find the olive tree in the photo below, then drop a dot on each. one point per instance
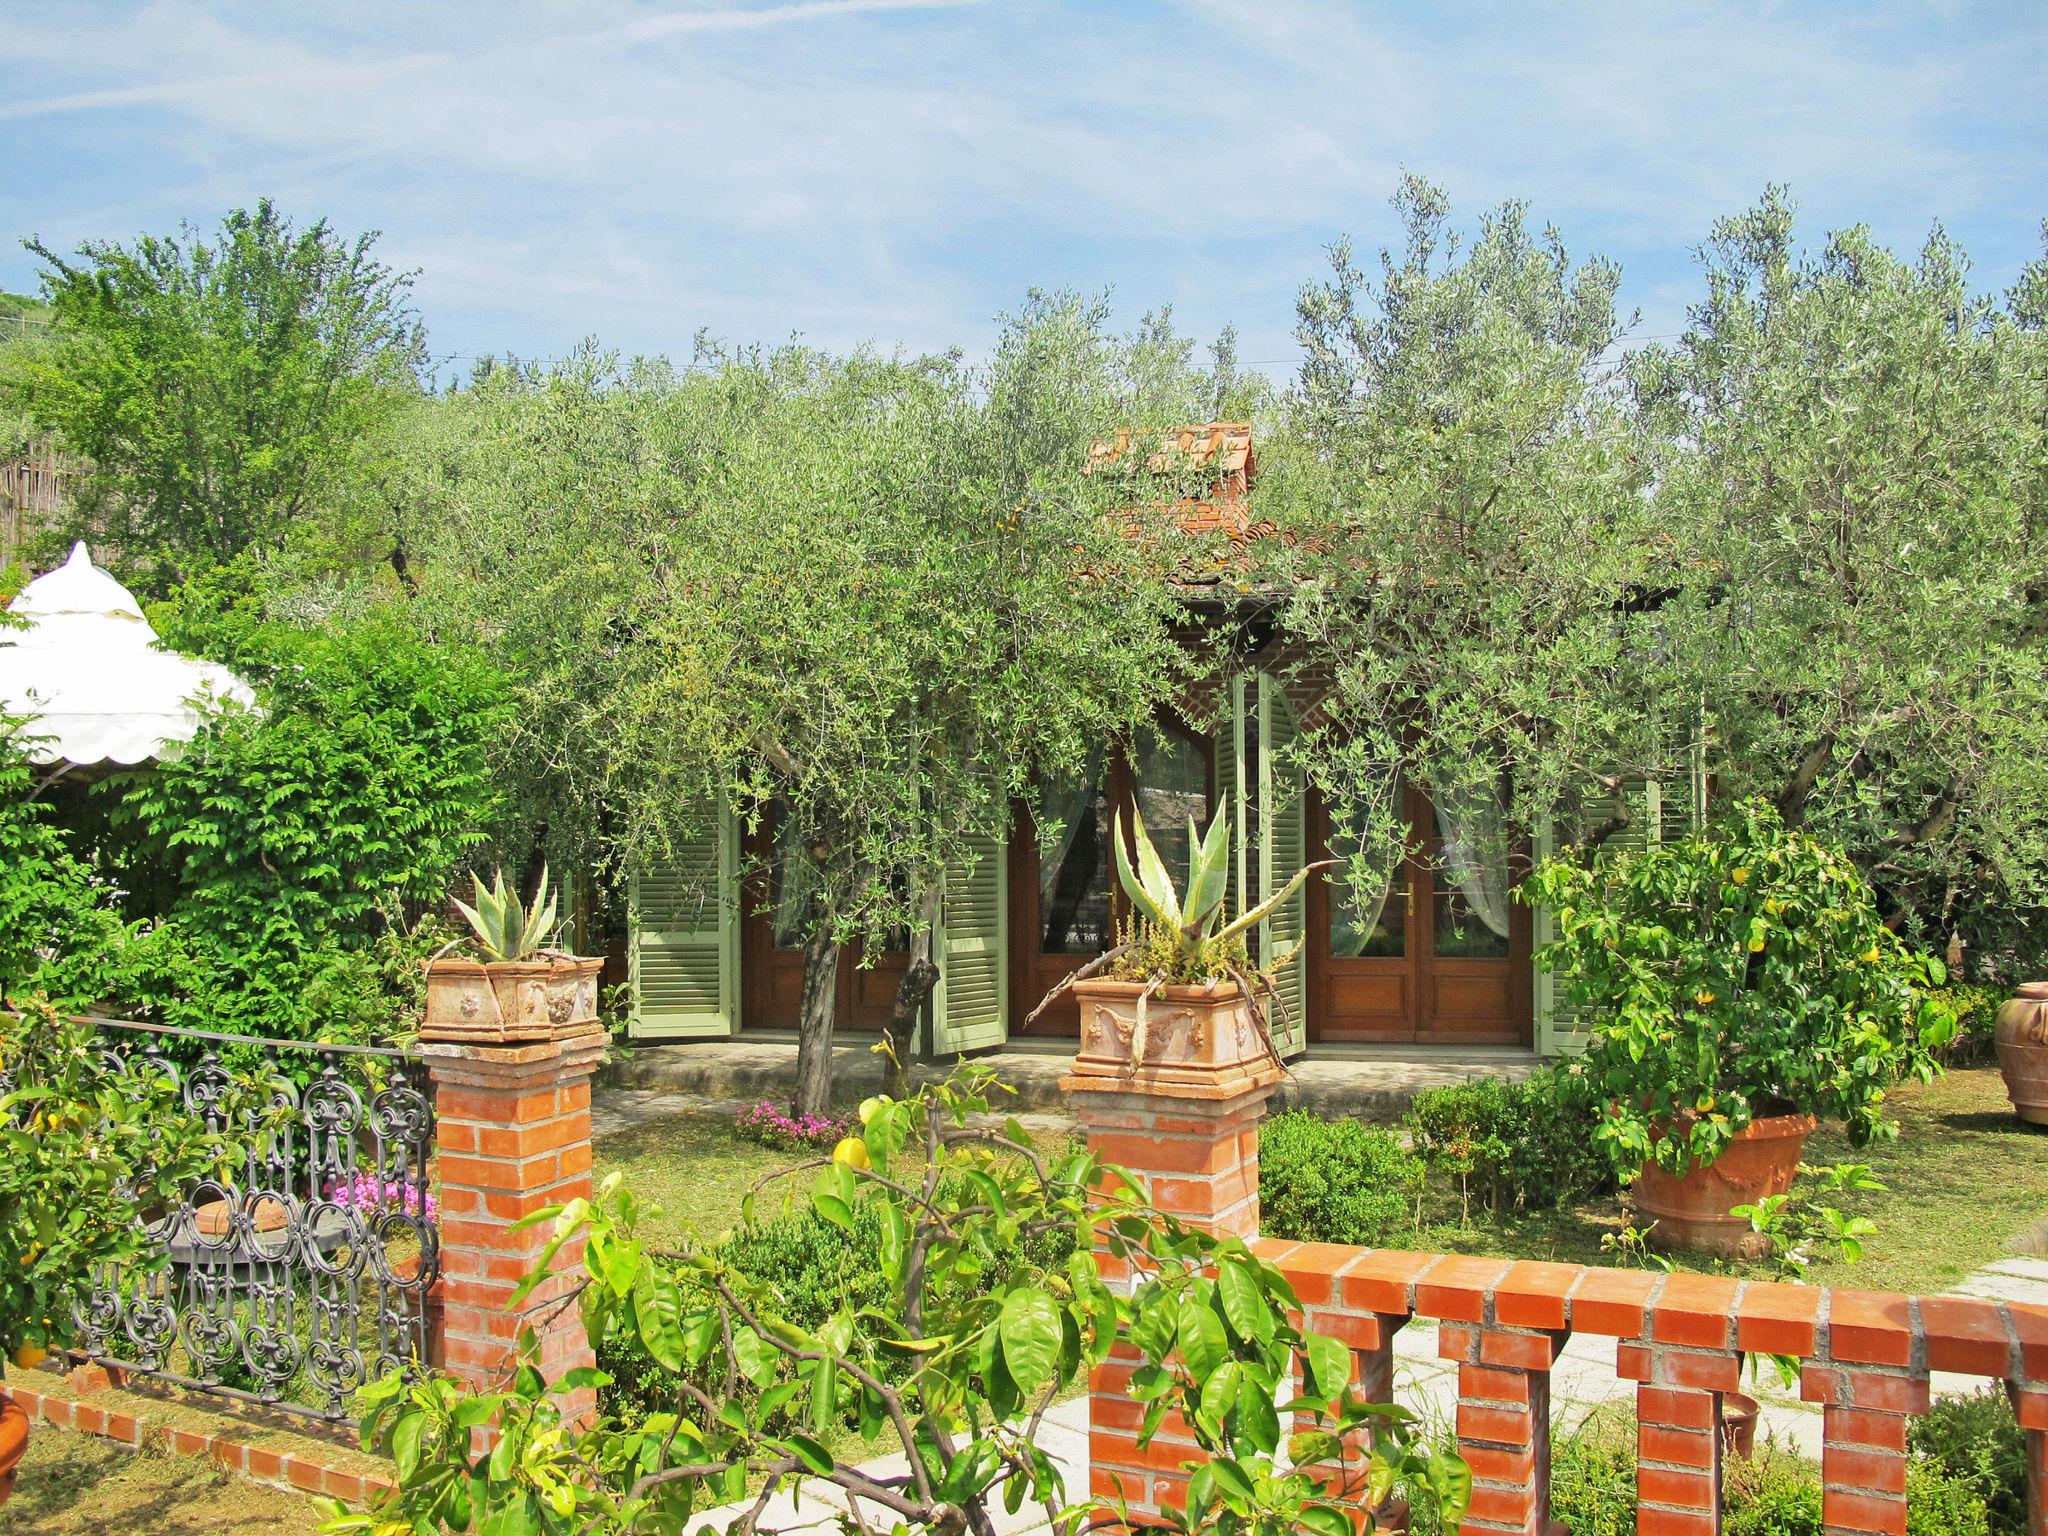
(1473, 566)
(878, 594)
(1851, 457)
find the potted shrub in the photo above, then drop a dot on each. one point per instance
(521, 990)
(83, 1149)
(1178, 999)
(2022, 1040)
(1741, 987)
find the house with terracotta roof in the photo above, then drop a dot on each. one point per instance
(1438, 956)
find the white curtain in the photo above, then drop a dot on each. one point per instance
(1475, 851)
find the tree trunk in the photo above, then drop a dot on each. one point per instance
(918, 980)
(1792, 798)
(814, 1023)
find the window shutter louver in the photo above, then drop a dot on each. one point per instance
(685, 940)
(971, 1002)
(1282, 850)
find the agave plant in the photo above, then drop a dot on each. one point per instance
(1191, 918)
(504, 929)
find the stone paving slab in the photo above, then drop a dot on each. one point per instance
(1365, 1083)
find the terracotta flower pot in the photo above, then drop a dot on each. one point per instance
(13, 1443)
(1690, 1209)
(1739, 1413)
(1190, 1036)
(504, 1002)
(2022, 1040)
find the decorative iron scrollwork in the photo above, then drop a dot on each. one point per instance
(305, 1274)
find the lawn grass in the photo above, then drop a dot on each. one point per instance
(698, 1173)
(71, 1484)
(1964, 1180)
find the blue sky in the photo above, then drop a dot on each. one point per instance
(899, 171)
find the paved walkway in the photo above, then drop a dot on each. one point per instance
(1371, 1083)
(1582, 1381)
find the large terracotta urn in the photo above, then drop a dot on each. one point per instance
(13, 1442)
(1691, 1209)
(1191, 1037)
(2022, 1040)
(503, 1002)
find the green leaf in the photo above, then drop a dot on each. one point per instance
(1029, 1325)
(1201, 1337)
(1244, 1304)
(808, 1451)
(1329, 1364)
(658, 1308)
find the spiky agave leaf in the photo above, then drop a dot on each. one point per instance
(541, 922)
(1208, 869)
(1267, 907)
(1149, 886)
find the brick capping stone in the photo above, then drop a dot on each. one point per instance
(1682, 1338)
(514, 1138)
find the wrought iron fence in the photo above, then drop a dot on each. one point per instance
(307, 1273)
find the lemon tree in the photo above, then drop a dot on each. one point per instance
(997, 1308)
(1738, 972)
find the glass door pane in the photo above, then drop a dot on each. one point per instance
(1172, 774)
(1369, 895)
(1472, 907)
(1073, 864)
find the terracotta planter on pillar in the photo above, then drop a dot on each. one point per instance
(1199, 1037)
(13, 1442)
(2022, 1039)
(504, 1002)
(1691, 1209)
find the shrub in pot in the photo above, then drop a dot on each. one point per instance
(521, 990)
(1178, 998)
(1741, 987)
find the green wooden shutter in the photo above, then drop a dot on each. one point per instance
(1282, 850)
(685, 941)
(971, 1003)
(1230, 784)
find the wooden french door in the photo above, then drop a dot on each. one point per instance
(1064, 898)
(772, 954)
(1441, 957)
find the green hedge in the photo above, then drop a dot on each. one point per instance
(1512, 1145)
(1335, 1181)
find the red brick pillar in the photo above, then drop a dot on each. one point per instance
(1189, 1134)
(514, 1138)
(1863, 1444)
(1678, 1433)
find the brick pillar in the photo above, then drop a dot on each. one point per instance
(514, 1138)
(1190, 1136)
(1504, 1422)
(1678, 1433)
(1863, 1444)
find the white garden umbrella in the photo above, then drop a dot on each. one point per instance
(91, 677)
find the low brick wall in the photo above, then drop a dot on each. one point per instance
(1681, 1337)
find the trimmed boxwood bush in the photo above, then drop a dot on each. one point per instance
(1334, 1181)
(1513, 1145)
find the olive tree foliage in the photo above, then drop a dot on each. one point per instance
(1472, 565)
(216, 387)
(869, 596)
(1852, 455)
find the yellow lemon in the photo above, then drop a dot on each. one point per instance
(1739, 874)
(851, 1151)
(1756, 946)
(27, 1357)
(1703, 997)
(1869, 956)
